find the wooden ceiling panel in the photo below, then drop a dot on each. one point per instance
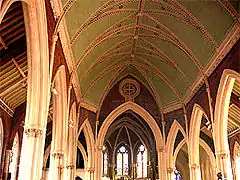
(13, 64)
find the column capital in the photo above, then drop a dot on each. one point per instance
(33, 132)
(57, 155)
(223, 155)
(170, 170)
(70, 166)
(98, 148)
(91, 169)
(194, 166)
(160, 149)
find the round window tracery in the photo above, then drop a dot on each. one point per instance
(129, 88)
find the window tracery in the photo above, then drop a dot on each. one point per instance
(142, 162)
(105, 161)
(122, 161)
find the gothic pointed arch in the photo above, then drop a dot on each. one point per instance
(149, 120)
(171, 140)
(88, 133)
(221, 121)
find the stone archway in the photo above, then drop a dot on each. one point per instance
(88, 133)
(221, 122)
(170, 147)
(149, 120)
(193, 142)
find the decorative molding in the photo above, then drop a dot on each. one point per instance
(33, 132)
(67, 50)
(194, 166)
(170, 170)
(172, 107)
(129, 89)
(70, 166)
(161, 149)
(88, 105)
(91, 169)
(58, 155)
(224, 48)
(223, 155)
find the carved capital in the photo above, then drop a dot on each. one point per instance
(91, 170)
(70, 166)
(194, 166)
(170, 170)
(223, 155)
(98, 148)
(160, 149)
(33, 132)
(58, 155)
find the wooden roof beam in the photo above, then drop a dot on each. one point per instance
(3, 43)
(4, 91)
(18, 67)
(235, 100)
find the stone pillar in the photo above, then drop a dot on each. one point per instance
(32, 154)
(170, 173)
(162, 171)
(70, 172)
(195, 172)
(6, 163)
(98, 163)
(38, 90)
(91, 173)
(225, 165)
(56, 166)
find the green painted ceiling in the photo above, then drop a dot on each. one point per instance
(163, 43)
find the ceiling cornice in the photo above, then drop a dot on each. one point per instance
(67, 50)
(88, 105)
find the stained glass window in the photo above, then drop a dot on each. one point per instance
(105, 161)
(122, 161)
(177, 174)
(142, 162)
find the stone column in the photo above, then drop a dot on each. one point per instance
(6, 163)
(91, 173)
(56, 166)
(98, 163)
(225, 165)
(38, 90)
(195, 172)
(170, 173)
(70, 171)
(32, 154)
(162, 163)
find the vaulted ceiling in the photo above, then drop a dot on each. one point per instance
(166, 44)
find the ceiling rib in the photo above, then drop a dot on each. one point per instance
(133, 11)
(91, 46)
(197, 24)
(225, 4)
(110, 85)
(165, 56)
(161, 75)
(104, 60)
(101, 75)
(138, 21)
(156, 95)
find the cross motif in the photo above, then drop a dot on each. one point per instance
(129, 89)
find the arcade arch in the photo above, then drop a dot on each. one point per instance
(149, 120)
